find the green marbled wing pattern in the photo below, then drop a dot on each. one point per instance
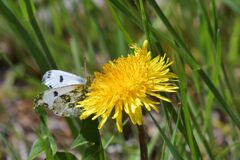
(62, 100)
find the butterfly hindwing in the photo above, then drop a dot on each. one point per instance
(57, 78)
(62, 100)
(70, 101)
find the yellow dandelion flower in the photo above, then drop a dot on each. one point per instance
(128, 84)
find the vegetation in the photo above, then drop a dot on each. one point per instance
(201, 37)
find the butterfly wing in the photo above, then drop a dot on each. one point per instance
(57, 78)
(62, 100)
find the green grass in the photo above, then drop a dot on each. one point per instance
(200, 37)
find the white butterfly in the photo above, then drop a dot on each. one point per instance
(58, 78)
(65, 90)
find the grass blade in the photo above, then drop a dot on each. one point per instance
(186, 55)
(119, 23)
(175, 153)
(33, 48)
(186, 116)
(210, 29)
(145, 22)
(193, 64)
(126, 11)
(39, 35)
(221, 100)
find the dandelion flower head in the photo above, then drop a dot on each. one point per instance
(128, 84)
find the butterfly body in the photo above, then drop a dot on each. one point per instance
(65, 90)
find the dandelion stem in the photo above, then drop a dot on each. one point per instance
(142, 142)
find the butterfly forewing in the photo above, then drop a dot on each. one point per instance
(58, 78)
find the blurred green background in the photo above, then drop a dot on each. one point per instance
(202, 37)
